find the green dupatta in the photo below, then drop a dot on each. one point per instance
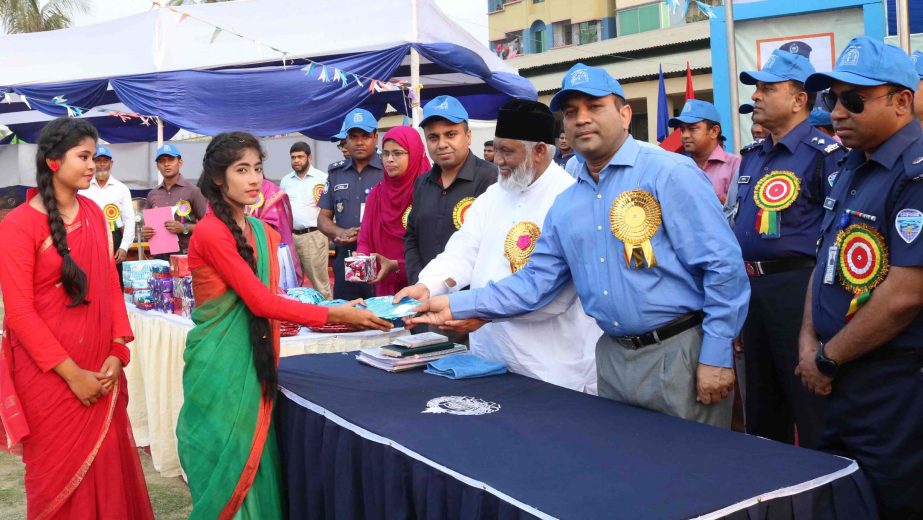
(222, 397)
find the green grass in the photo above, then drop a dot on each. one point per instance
(169, 496)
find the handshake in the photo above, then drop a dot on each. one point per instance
(435, 311)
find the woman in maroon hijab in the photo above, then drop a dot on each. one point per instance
(387, 207)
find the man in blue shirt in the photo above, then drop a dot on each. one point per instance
(780, 192)
(642, 236)
(862, 336)
(343, 201)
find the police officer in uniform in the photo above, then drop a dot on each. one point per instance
(781, 189)
(862, 337)
(343, 201)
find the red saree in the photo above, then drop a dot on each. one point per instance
(81, 462)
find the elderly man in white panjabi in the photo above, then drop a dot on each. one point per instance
(556, 343)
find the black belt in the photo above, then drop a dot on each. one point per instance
(305, 230)
(757, 269)
(677, 326)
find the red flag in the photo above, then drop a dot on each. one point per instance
(690, 92)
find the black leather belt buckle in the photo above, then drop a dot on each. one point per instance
(754, 269)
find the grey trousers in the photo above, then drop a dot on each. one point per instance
(659, 377)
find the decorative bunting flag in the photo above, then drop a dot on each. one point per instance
(215, 34)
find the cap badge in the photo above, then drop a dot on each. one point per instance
(443, 106)
(687, 108)
(851, 56)
(793, 48)
(357, 118)
(579, 76)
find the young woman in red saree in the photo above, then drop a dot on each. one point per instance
(64, 343)
(226, 442)
(388, 205)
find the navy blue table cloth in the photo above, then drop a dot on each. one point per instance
(356, 443)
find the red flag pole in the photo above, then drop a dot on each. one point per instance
(690, 92)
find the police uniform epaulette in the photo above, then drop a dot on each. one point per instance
(752, 146)
(827, 145)
(913, 161)
(335, 165)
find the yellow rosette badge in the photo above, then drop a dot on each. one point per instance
(862, 264)
(773, 193)
(461, 209)
(112, 214)
(406, 216)
(318, 192)
(634, 218)
(253, 208)
(519, 244)
(183, 210)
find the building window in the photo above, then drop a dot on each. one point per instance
(494, 5)
(539, 37)
(639, 19)
(588, 31)
(561, 34)
(538, 1)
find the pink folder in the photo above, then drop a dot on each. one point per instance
(163, 241)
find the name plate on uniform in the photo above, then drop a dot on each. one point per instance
(829, 203)
(744, 180)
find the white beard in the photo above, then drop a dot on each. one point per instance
(520, 178)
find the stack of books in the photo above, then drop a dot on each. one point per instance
(409, 352)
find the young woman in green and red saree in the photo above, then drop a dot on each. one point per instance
(227, 444)
(62, 392)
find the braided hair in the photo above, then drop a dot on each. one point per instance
(59, 136)
(224, 150)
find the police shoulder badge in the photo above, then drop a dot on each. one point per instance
(634, 218)
(406, 216)
(909, 223)
(519, 244)
(862, 264)
(461, 209)
(775, 192)
(112, 214)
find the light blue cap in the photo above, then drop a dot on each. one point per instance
(694, 111)
(917, 58)
(446, 107)
(593, 81)
(820, 117)
(867, 62)
(167, 149)
(781, 66)
(357, 118)
(103, 151)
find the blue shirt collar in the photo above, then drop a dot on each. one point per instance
(791, 139)
(626, 155)
(890, 150)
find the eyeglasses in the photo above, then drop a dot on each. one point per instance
(397, 154)
(851, 100)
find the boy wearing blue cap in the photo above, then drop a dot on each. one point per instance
(862, 336)
(176, 192)
(699, 124)
(115, 200)
(643, 239)
(442, 196)
(781, 188)
(343, 201)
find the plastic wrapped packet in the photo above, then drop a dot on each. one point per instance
(361, 268)
(179, 266)
(139, 272)
(306, 295)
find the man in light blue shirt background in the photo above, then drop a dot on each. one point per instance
(670, 297)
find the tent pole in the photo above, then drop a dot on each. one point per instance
(732, 69)
(903, 24)
(415, 65)
(159, 132)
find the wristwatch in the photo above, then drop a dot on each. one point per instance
(185, 229)
(825, 365)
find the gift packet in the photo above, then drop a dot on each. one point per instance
(179, 266)
(306, 295)
(138, 272)
(361, 268)
(384, 308)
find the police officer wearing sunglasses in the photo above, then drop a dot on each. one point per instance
(862, 336)
(781, 187)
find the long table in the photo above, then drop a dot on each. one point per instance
(357, 442)
(155, 375)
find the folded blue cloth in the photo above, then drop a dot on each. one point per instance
(464, 366)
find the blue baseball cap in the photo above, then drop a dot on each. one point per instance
(694, 111)
(820, 117)
(357, 118)
(746, 108)
(445, 107)
(868, 63)
(917, 59)
(103, 151)
(167, 149)
(781, 66)
(593, 81)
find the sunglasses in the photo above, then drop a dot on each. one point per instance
(851, 100)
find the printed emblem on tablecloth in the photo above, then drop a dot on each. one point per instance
(774, 193)
(112, 214)
(909, 223)
(519, 244)
(406, 216)
(461, 209)
(318, 192)
(460, 405)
